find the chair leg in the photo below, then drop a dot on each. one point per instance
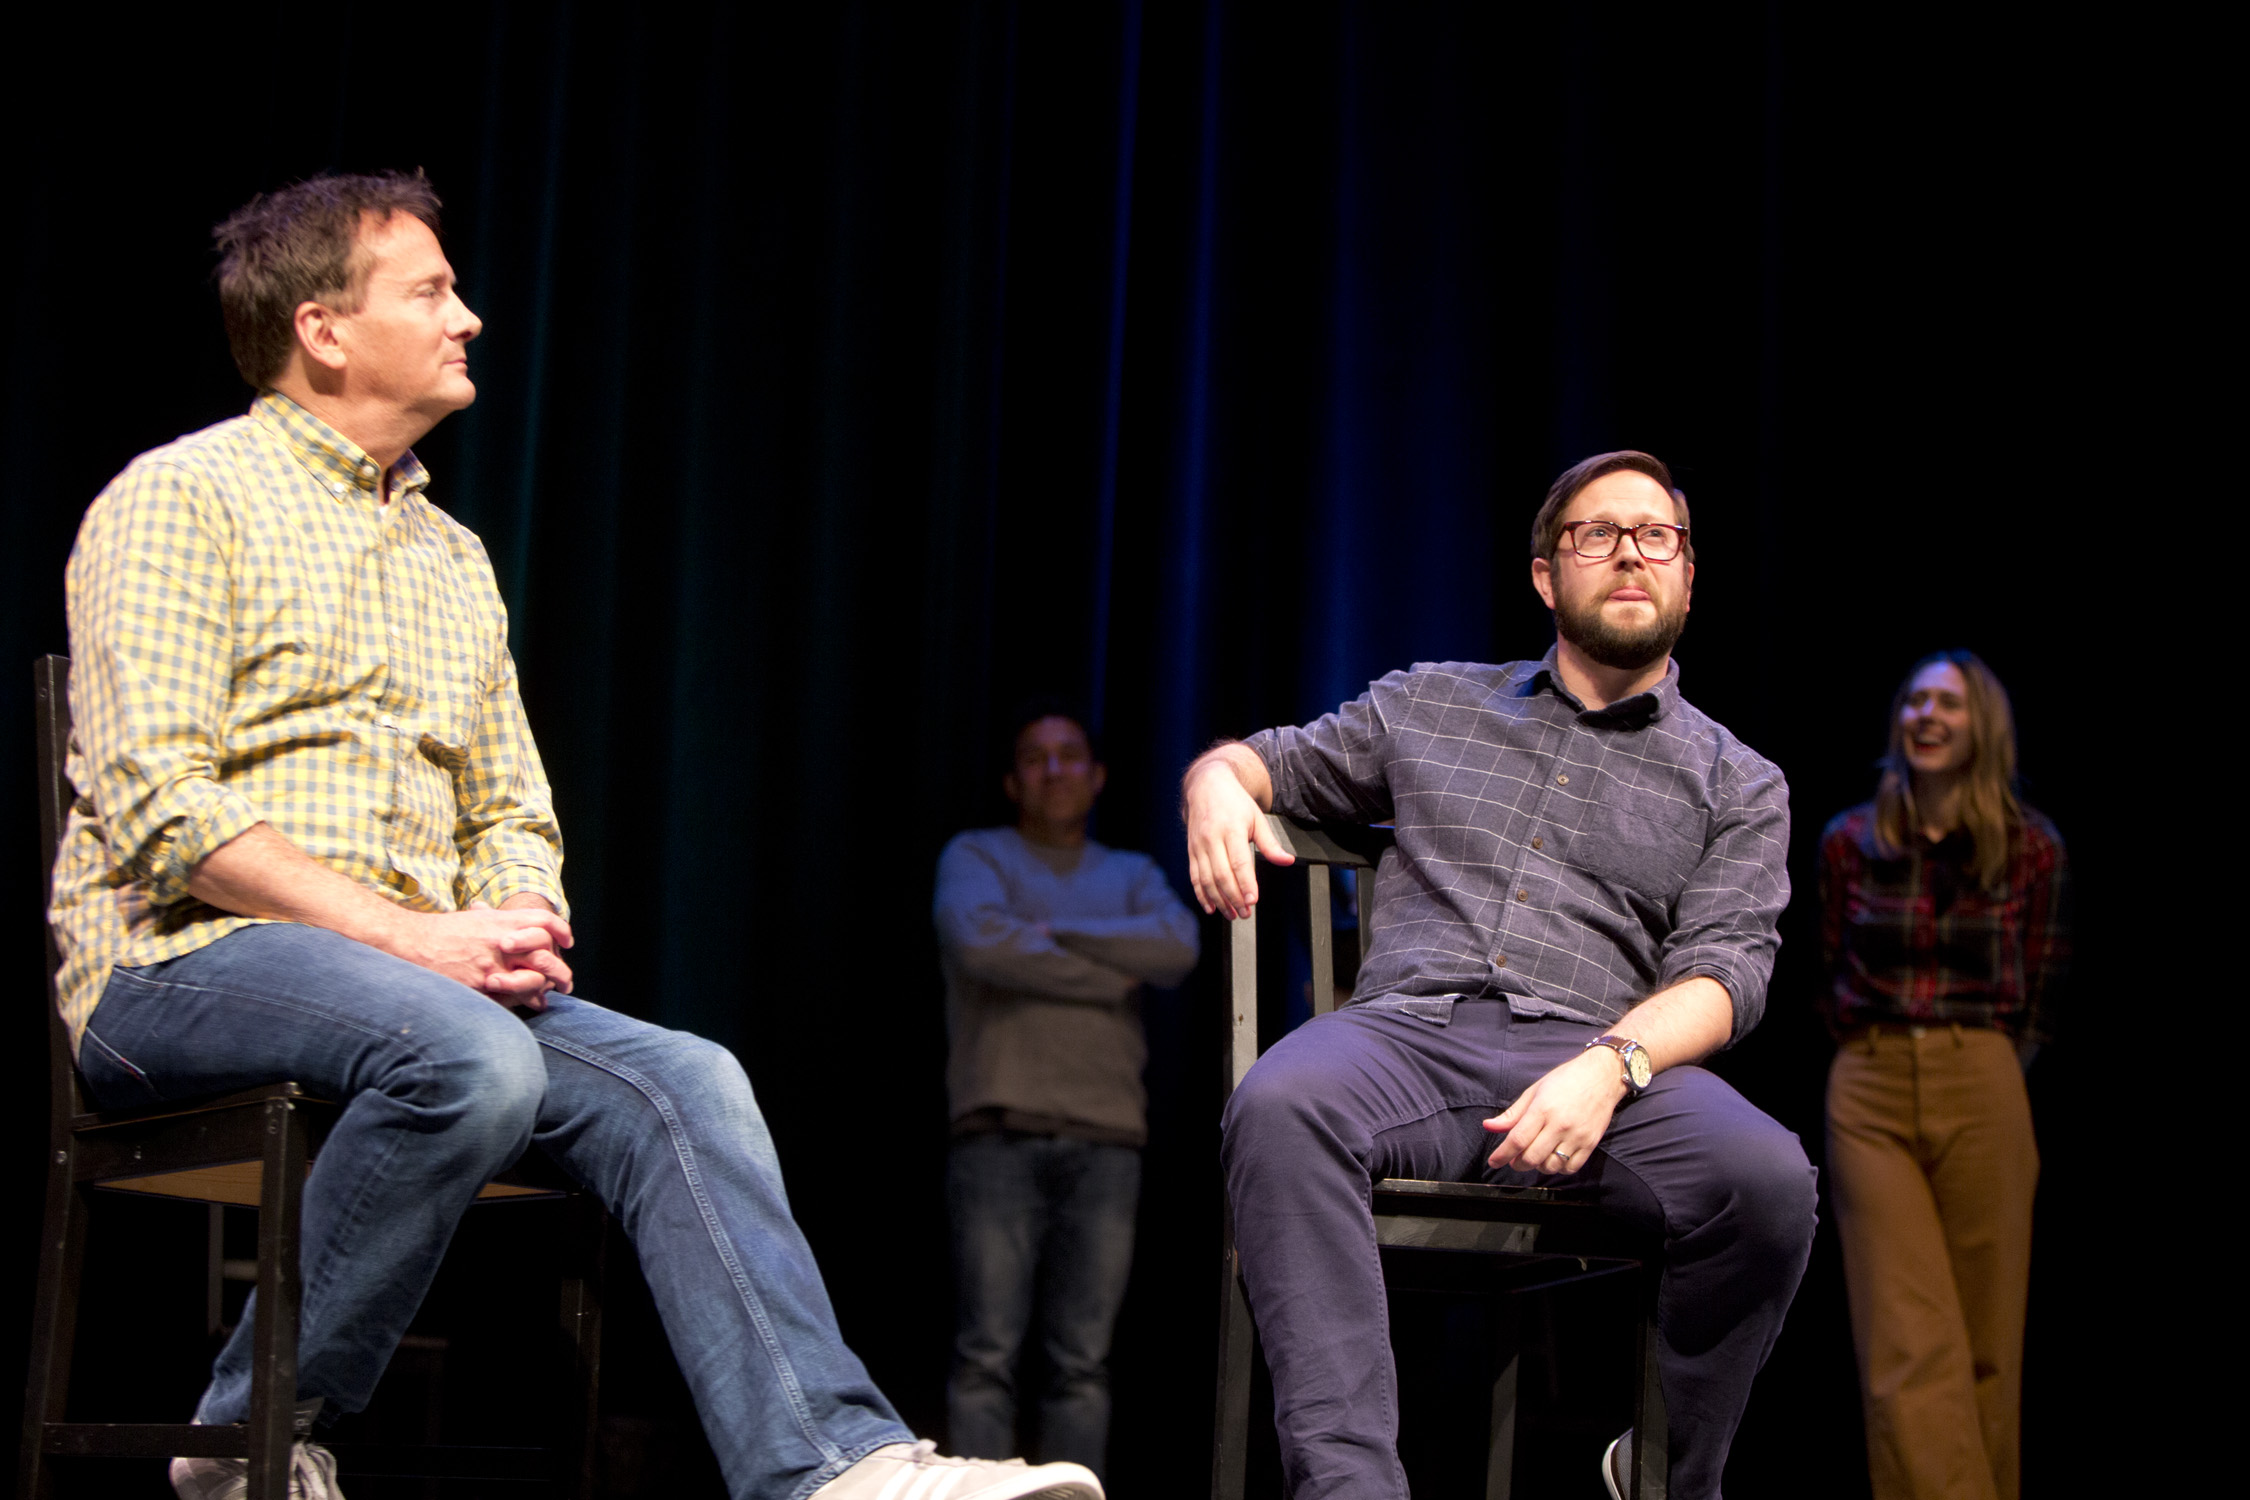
(273, 1371)
(54, 1322)
(1230, 1434)
(214, 1268)
(1507, 1367)
(1652, 1456)
(581, 1312)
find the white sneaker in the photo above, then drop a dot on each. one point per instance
(1617, 1465)
(312, 1468)
(312, 1476)
(917, 1471)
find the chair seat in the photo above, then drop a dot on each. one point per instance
(116, 1146)
(1542, 1237)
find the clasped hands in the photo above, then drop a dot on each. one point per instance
(512, 953)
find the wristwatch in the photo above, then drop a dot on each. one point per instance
(1634, 1056)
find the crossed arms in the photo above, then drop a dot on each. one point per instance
(1081, 959)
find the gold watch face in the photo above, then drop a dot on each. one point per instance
(1636, 1065)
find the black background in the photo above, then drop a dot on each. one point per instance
(851, 371)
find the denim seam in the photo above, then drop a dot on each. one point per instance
(279, 1002)
(720, 1241)
(87, 1035)
(351, 1216)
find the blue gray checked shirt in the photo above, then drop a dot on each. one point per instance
(1572, 861)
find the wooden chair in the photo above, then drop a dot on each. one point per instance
(1532, 1238)
(250, 1148)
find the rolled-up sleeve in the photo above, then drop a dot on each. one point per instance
(1724, 922)
(509, 841)
(1333, 769)
(151, 668)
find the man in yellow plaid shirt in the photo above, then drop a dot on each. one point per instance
(313, 841)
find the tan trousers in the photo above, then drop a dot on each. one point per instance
(1931, 1167)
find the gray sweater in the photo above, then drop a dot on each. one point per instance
(1045, 953)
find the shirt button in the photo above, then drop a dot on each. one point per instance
(1561, 780)
(1538, 843)
(1499, 960)
(389, 722)
(1523, 895)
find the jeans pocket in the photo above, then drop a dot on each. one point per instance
(110, 1075)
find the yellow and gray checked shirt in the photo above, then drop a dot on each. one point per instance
(256, 638)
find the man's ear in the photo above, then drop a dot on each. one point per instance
(1099, 778)
(1543, 579)
(1013, 786)
(317, 334)
(1687, 595)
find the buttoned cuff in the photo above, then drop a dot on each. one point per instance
(494, 886)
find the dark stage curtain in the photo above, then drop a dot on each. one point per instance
(851, 371)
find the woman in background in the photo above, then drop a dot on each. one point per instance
(1944, 929)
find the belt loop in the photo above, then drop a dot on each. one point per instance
(1960, 1037)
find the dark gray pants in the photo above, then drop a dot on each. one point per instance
(1362, 1094)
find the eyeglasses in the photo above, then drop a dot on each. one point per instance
(1656, 541)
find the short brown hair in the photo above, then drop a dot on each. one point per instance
(1546, 527)
(301, 245)
(1989, 809)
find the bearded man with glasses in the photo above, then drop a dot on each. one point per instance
(1580, 907)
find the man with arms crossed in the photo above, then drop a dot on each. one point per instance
(1581, 905)
(314, 841)
(1048, 938)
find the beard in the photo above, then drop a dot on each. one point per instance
(1627, 649)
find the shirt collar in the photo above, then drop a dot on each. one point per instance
(340, 464)
(1636, 712)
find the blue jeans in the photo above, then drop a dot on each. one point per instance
(442, 1089)
(1364, 1093)
(1040, 1219)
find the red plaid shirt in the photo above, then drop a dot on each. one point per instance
(1916, 939)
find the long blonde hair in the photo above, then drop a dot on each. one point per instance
(1989, 810)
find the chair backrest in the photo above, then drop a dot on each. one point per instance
(50, 688)
(1318, 847)
(50, 698)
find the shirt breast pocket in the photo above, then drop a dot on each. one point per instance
(454, 688)
(1640, 856)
